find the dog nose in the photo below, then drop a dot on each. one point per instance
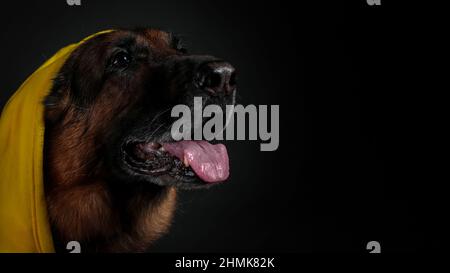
(216, 78)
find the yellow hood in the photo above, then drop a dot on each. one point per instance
(24, 225)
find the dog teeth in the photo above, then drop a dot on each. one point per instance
(162, 149)
(185, 162)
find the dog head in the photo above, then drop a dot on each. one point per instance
(109, 112)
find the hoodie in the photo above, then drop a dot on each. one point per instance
(24, 224)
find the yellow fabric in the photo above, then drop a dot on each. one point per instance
(24, 225)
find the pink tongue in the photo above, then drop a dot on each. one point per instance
(209, 162)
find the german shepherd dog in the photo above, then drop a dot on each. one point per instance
(112, 168)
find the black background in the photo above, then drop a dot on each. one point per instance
(349, 160)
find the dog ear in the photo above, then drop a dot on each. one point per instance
(78, 81)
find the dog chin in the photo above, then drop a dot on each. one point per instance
(165, 180)
(180, 183)
(130, 174)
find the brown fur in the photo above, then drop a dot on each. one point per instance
(81, 204)
(99, 105)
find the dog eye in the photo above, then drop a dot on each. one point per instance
(182, 49)
(121, 60)
(179, 45)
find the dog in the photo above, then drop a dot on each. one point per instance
(111, 165)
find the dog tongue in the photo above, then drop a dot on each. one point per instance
(209, 162)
